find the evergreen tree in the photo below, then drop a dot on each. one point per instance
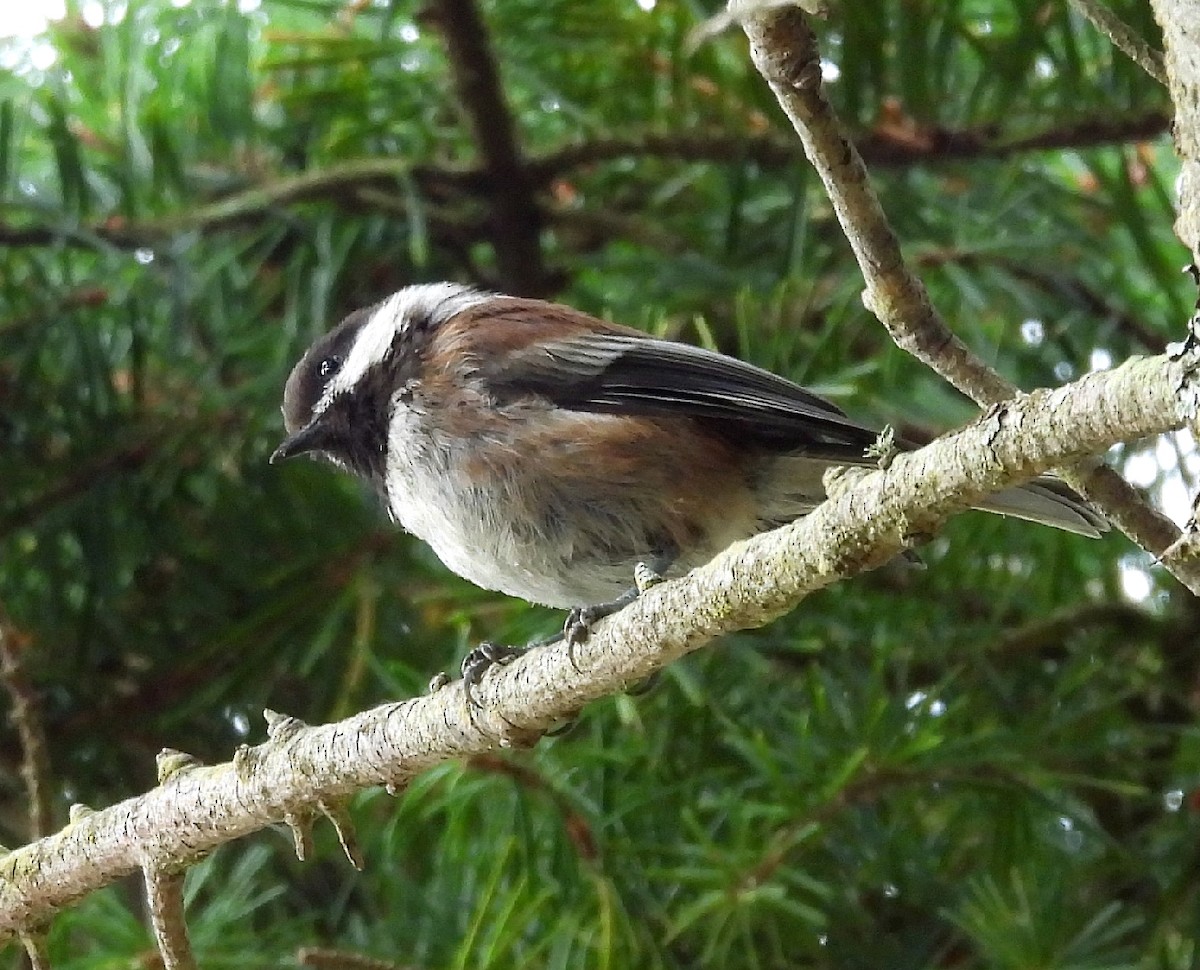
(990, 761)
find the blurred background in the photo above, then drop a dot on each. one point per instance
(989, 762)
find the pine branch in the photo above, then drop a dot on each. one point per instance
(870, 518)
(925, 145)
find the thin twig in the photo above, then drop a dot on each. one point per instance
(326, 959)
(784, 49)
(1123, 37)
(865, 788)
(36, 950)
(578, 828)
(86, 475)
(591, 229)
(1053, 630)
(26, 715)
(1056, 282)
(723, 20)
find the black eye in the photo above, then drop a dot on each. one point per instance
(328, 367)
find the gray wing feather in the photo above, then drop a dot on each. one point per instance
(641, 375)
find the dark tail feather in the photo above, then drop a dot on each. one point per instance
(1048, 501)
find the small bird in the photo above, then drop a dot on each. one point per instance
(547, 454)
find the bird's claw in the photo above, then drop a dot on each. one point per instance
(577, 627)
(580, 619)
(476, 663)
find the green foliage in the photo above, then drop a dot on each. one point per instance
(986, 762)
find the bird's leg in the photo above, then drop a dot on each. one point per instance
(476, 663)
(579, 620)
(485, 656)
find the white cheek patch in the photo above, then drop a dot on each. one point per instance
(434, 302)
(370, 347)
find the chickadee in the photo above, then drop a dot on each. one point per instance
(546, 454)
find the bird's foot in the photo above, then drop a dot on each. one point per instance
(578, 625)
(580, 620)
(575, 631)
(476, 663)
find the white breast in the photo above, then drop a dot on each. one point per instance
(487, 535)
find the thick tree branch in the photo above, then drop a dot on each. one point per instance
(871, 516)
(516, 223)
(784, 49)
